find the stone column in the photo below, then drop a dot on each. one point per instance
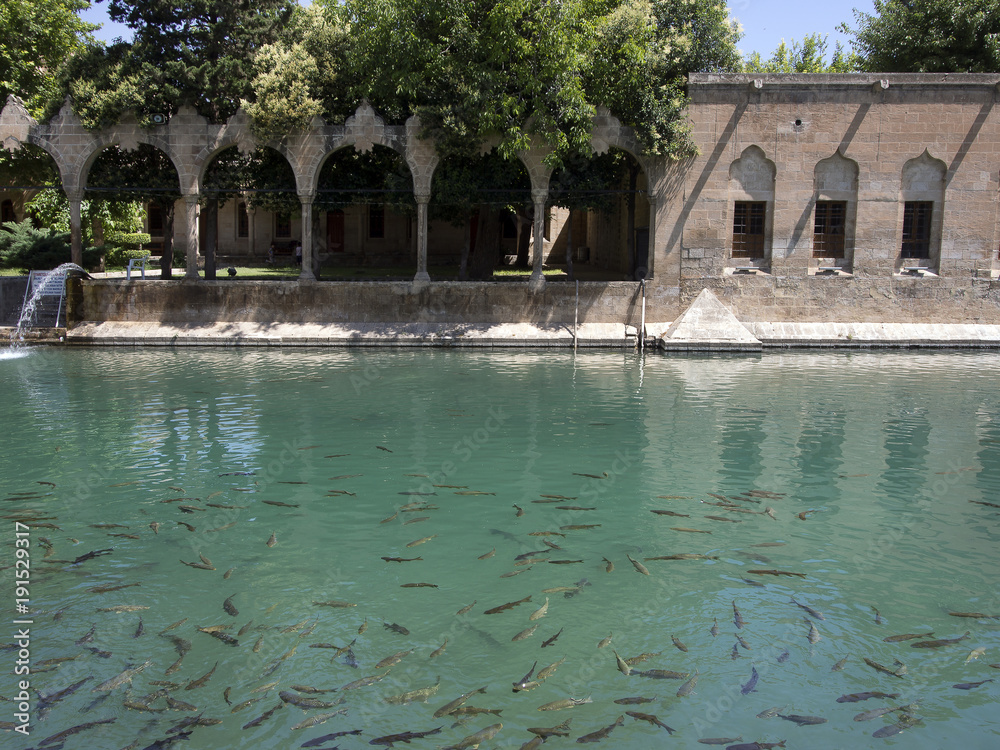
(189, 234)
(75, 226)
(252, 231)
(306, 274)
(422, 275)
(537, 280)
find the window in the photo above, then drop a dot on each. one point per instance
(154, 218)
(242, 221)
(917, 229)
(376, 222)
(748, 229)
(509, 226)
(7, 211)
(283, 225)
(828, 229)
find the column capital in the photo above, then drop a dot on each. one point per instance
(422, 198)
(75, 194)
(307, 197)
(539, 195)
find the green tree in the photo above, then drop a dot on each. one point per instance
(807, 56)
(36, 37)
(928, 36)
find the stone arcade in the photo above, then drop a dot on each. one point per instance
(859, 201)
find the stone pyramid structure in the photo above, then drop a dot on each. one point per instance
(708, 325)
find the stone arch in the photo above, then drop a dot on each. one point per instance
(113, 137)
(835, 209)
(921, 212)
(751, 208)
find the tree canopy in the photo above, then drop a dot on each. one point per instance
(36, 38)
(807, 56)
(928, 36)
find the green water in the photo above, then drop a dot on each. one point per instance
(885, 453)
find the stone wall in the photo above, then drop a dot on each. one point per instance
(204, 302)
(871, 141)
(11, 298)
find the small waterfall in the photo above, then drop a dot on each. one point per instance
(28, 311)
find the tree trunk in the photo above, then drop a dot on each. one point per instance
(167, 258)
(569, 245)
(211, 236)
(483, 259)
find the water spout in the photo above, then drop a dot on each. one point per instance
(40, 289)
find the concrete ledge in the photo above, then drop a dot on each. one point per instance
(107, 333)
(876, 334)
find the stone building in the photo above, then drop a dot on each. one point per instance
(861, 197)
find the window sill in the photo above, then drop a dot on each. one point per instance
(746, 271)
(916, 272)
(831, 272)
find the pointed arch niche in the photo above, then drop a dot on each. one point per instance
(751, 210)
(835, 213)
(921, 208)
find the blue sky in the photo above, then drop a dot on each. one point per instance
(765, 22)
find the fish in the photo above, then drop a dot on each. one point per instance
(389, 739)
(88, 637)
(120, 679)
(246, 704)
(559, 705)
(937, 643)
(591, 476)
(421, 541)
(155, 526)
(519, 511)
(719, 740)
(659, 512)
(604, 642)
(737, 617)
(526, 633)
(327, 737)
(683, 556)
(690, 531)
(140, 629)
(524, 680)
(714, 630)
(970, 685)
(776, 573)
(228, 606)
(809, 610)
(751, 684)
(814, 635)
(264, 716)
(297, 700)
(395, 628)
(901, 726)
(637, 565)
(418, 586)
(639, 716)
(744, 644)
(721, 518)
(770, 544)
(610, 565)
(45, 701)
(320, 719)
(559, 730)
(439, 650)
(545, 533)
(880, 668)
(579, 526)
(449, 707)
(975, 654)
(272, 540)
(60, 736)
(552, 640)
(878, 617)
(975, 615)
(508, 605)
(394, 659)
(572, 507)
(907, 637)
(633, 660)
(803, 721)
(756, 745)
(467, 607)
(839, 665)
(550, 670)
(635, 701)
(877, 712)
(201, 680)
(856, 697)
(600, 734)
(678, 644)
(123, 608)
(661, 674)
(365, 681)
(624, 668)
(362, 628)
(335, 604)
(540, 612)
(475, 740)
(688, 686)
(770, 713)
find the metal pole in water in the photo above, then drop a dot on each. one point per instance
(576, 312)
(642, 320)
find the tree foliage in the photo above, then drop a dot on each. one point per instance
(807, 56)
(928, 36)
(36, 37)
